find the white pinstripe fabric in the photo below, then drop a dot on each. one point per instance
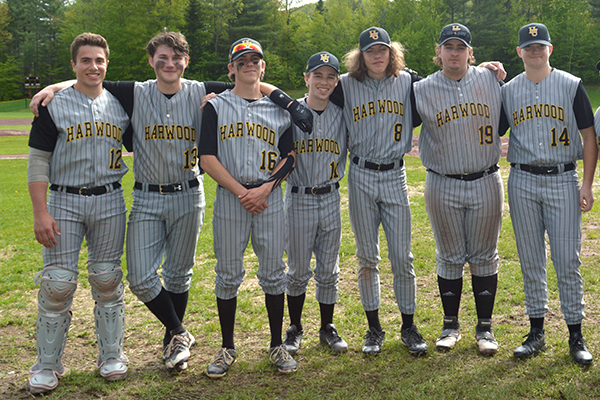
(165, 225)
(82, 157)
(313, 222)
(460, 136)
(541, 204)
(233, 226)
(381, 198)
(378, 117)
(100, 219)
(454, 114)
(465, 217)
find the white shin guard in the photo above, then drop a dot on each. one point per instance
(106, 280)
(55, 298)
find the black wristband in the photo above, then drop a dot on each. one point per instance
(280, 98)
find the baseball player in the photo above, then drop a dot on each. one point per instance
(460, 147)
(76, 147)
(549, 114)
(168, 206)
(247, 148)
(312, 202)
(377, 109)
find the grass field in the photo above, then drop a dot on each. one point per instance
(460, 374)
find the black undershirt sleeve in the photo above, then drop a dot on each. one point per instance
(44, 134)
(584, 114)
(208, 136)
(337, 96)
(123, 91)
(218, 87)
(286, 142)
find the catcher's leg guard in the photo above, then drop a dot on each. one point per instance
(106, 280)
(55, 297)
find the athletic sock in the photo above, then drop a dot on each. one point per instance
(407, 321)
(162, 307)
(484, 291)
(450, 293)
(536, 323)
(326, 314)
(373, 319)
(295, 305)
(275, 306)
(180, 301)
(575, 328)
(227, 310)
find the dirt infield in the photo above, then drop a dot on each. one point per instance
(16, 121)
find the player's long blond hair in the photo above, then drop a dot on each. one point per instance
(357, 69)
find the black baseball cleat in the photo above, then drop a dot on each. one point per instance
(373, 341)
(535, 342)
(411, 338)
(578, 349)
(293, 339)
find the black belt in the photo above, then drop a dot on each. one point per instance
(534, 169)
(317, 190)
(377, 166)
(252, 185)
(470, 177)
(85, 191)
(170, 188)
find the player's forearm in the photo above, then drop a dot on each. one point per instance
(213, 167)
(37, 193)
(590, 155)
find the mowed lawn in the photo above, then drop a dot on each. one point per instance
(460, 374)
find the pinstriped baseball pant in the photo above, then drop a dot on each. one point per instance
(314, 224)
(381, 198)
(540, 204)
(465, 217)
(233, 227)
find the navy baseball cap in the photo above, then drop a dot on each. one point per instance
(243, 46)
(322, 59)
(532, 34)
(456, 31)
(372, 36)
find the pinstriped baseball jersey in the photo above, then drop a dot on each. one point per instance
(248, 135)
(543, 126)
(382, 107)
(88, 148)
(166, 132)
(460, 121)
(320, 156)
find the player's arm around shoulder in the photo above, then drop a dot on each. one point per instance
(590, 159)
(46, 95)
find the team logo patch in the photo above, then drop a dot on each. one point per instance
(455, 28)
(325, 58)
(374, 34)
(533, 31)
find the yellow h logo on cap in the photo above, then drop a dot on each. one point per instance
(374, 34)
(325, 58)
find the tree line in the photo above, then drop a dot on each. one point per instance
(35, 34)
